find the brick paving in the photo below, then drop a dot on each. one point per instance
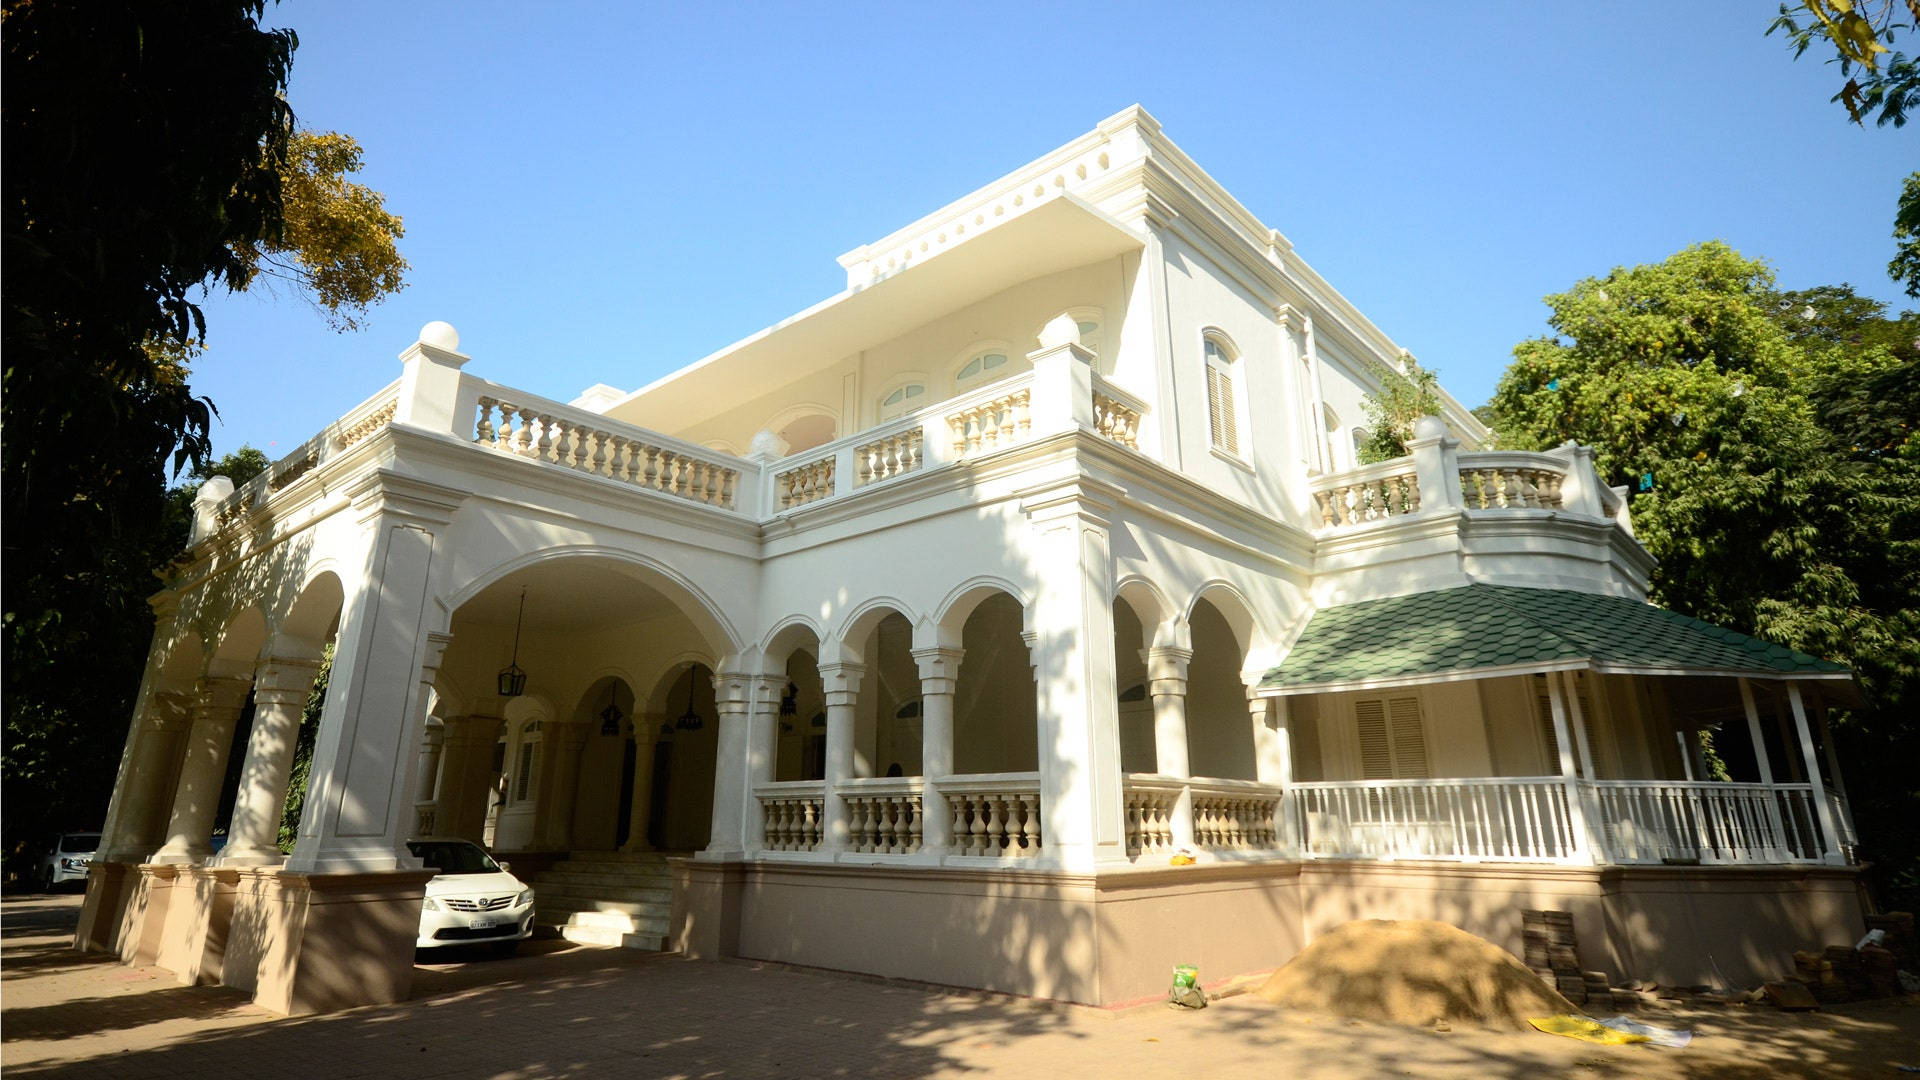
(566, 1011)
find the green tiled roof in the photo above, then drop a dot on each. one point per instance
(1491, 626)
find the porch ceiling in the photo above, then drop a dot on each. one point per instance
(1505, 629)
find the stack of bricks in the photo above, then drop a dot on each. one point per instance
(1822, 978)
(1553, 952)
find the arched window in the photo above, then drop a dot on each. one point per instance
(983, 367)
(1090, 321)
(1331, 421)
(1222, 370)
(903, 400)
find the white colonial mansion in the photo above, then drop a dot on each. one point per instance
(928, 626)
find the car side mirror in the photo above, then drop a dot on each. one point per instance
(505, 867)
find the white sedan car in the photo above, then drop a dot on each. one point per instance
(473, 900)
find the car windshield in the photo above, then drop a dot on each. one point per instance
(80, 842)
(453, 856)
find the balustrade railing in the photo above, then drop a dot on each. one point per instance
(1511, 481)
(514, 423)
(1116, 416)
(983, 426)
(996, 815)
(426, 819)
(887, 456)
(1235, 815)
(803, 484)
(1521, 819)
(793, 814)
(884, 815)
(1654, 821)
(362, 421)
(1149, 802)
(1388, 489)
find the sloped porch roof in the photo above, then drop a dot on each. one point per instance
(1484, 631)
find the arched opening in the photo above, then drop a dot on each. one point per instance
(306, 634)
(679, 781)
(803, 433)
(1137, 750)
(1219, 728)
(583, 757)
(995, 700)
(800, 733)
(887, 722)
(236, 657)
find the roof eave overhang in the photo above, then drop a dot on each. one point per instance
(1842, 681)
(1063, 233)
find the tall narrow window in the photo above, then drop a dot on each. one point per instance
(525, 786)
(1393, 738)
(1224, 427)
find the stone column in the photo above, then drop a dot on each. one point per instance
(280, 690)
(842, 685)
(359, 805)
(190, 827)
(1167, 682)
(763, 748)
(136, 823)
(427, 785)
(939, 673)
(646, 743)
(1083, 816)
(733, 696)
(466, 774)
(554, 810)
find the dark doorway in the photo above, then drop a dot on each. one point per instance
(623, 825)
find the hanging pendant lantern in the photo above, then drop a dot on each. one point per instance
(611, 716)
(689, 720)
(513, 681)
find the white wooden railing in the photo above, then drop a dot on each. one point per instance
(1149, 801)
(1511, 480)
(510, 421)
(1235, 815)
(884, 814)
(995, 814)
(1522, 819)
(792, 814)
(1647, 821)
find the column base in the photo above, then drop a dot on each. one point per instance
(110, 888)
(315, 943)
(143, 923)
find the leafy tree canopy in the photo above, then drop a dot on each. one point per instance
(1905, 267)
(1768, 438)
(1401, 399)
(1861, 33)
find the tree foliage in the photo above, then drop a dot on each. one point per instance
(1905, 267)
(1861, 33)
(1769, 439)
(1402, 399)
(338, 248)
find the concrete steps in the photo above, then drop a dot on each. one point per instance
(606, 898)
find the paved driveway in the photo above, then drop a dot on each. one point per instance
(567, 1011)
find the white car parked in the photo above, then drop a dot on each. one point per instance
(68, 861)
(473, 900)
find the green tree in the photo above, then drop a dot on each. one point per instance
(1768, 438)
(1905, 267)
(1401, 399)
(1861, 33)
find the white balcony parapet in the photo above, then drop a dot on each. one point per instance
(1116, 414)
(355, 427)
(995, 814)
(884, 814)
(793, 814)
(1369, 493)
(1149, 800)
(1235, 815)
(1708, 822)
(1507, 480)
(511, 422)
(982, 426)
(802, 484)
(1511, 819)
(890, 454)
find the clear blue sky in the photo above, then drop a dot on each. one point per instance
(604, 192)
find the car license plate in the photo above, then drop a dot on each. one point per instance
(483, 922)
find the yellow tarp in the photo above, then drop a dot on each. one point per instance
(1580, 1027)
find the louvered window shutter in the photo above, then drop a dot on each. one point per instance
(1547, 733)
(1409, 739)
(529, 760)
(1230, 434)
(1213, 404)
(1376, 752)
(1551, 738)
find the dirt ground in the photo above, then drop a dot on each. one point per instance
(565, 1011)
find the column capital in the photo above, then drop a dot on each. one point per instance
(471, 729)
(1168, 663)
(168, 710)
(841, 682)
(222, 693)
(284, 675)
(938, 664)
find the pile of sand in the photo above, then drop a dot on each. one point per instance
(1413, 972)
